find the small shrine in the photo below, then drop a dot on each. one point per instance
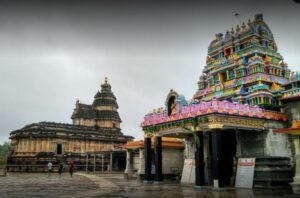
(232, 115)
(173, 160)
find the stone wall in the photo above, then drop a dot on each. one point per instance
(106, 108)
(292, 110)
(278, 144)
(172, 158)
(92, 123)
(251, 143)
(32, 146)
(189, 151)
(263, 143)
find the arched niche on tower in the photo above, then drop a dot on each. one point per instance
(172, 103)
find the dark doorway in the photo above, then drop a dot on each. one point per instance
(227, 155)
(59, 149)
(119, 161)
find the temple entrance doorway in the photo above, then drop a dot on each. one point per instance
(226, 157)
(228, 149)
(59, 149)
(119, 161)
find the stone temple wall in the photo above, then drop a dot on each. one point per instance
(273, 153)
(266, 143)
(189, 151)
(278, 144)
(172, 158)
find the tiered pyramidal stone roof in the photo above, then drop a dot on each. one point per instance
(101, 113)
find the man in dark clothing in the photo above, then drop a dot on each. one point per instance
(71, 167)
(60, 169)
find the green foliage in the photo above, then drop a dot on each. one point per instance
(196, 138)
(3, 152)
(4, 149)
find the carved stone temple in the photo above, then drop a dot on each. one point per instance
(94, 138)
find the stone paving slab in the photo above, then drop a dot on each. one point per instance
(40, 185)
(113, 185)
(167, 189)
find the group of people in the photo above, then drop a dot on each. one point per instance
(61, 167)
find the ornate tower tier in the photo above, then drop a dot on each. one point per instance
(102, 113)
(244, 66)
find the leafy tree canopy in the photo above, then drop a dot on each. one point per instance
(4, 149)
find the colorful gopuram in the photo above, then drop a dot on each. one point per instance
(94, 139)
(244, 66)
(233, 113)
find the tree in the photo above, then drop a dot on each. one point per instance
(4, 149)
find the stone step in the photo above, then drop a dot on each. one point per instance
(273, 172)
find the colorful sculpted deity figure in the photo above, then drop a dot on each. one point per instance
(173, 108)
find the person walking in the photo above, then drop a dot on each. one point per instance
(49, 168)
(60, 169)
(71, 167)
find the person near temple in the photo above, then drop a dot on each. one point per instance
(49, 168)
(60, 169)
(71, 167)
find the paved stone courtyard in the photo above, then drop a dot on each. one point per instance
(110, 185)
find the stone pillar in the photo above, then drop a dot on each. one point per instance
(102, 162)
(147, 149)
(27, 146)
(158, 160)
(296, 183)
(128, 170)
(141, 169)
(48, 145)
(199, 159)
(216, 159)
(111, 161)
(87, 163)
(95, 163)
(42, 145)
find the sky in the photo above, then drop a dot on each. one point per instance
(55, 52)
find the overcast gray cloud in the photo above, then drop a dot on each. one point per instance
(53, 54)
